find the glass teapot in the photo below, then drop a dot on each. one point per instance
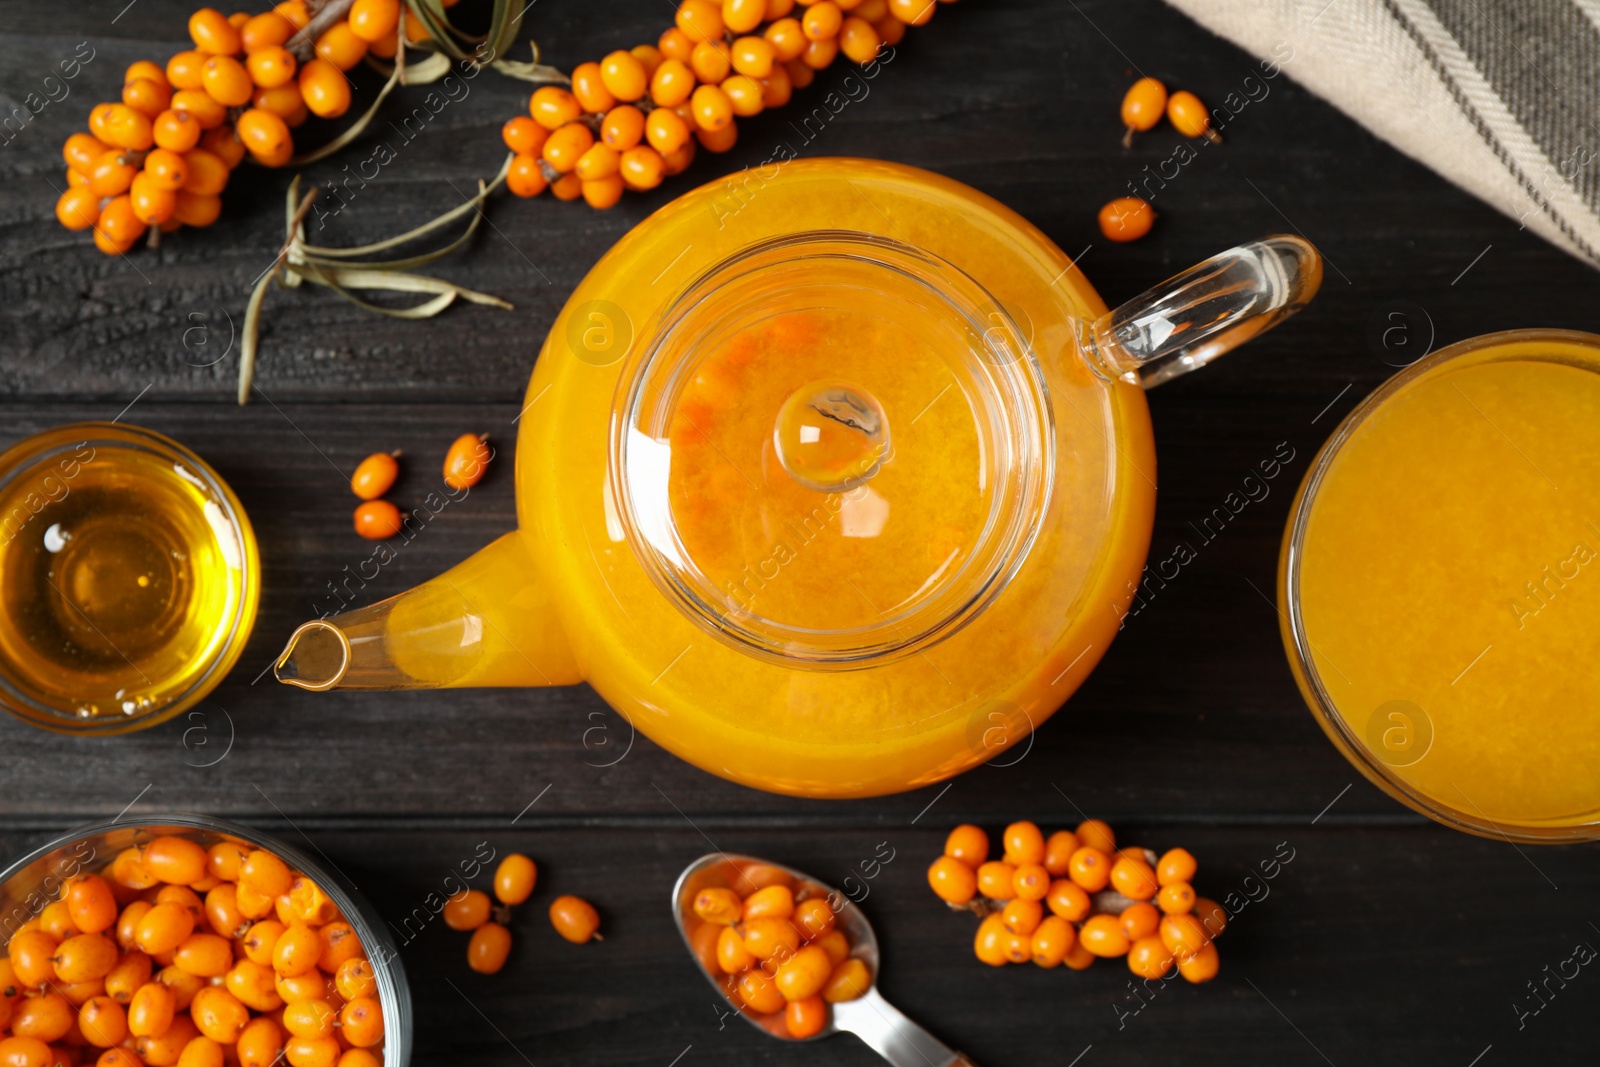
(835, 478)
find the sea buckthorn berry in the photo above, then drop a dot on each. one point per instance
(1022, 916)
(1093, 833)
(814, 918)
(310, 1018)
(123, 127)
(47, 1017)
(1140, 920)
(859, 40)
(1090, 868)
(489, 947)
(759, 992)
(678, 162)
(219, 1014)
(1183, 934)
(146, 96)
(711, 61)
(566, 146)
(199, 103)
(1176, 865)
(589, 89)
(206, 955)
(175, 860)
(600, 161)
(1068, 900)
(524, 136)
(266, 30)
(227, 81)
(265, 873)
(169, 171)
(97, 121)
(1103, 936)
(375, 475)
(306, 986)
(836, 945)
(266, 136)
(777, 88)
(225, 860)
(996, 880)
(526, 177)
(712, 108)
(373, 20)
(1031, 882)
(642, 168)
(176, 131)
(103, 1022)
(576, 920)
(553, 107)
(197, 209)
(1134, 879)
(361, 1022)
(745, 95)
(77, 179)
(91, 904)
(311, 1051)
(1127, 218)
(118, 227)
(143, 68)
(768, 938)
(1058, 850)
(259, 1043)
(989, 943)
(309, 904)
(212, 33)
(1177, 898)
(183, 984)
(1142, 107)
(624, 76)
(130, 974)
(128, 922)
(649, 57)
(1023, 843)
(341, 46)
(787, 38)
(1202, 966)
(675, 44)
(271, 67)
(666, 130)
(254, 985)
(672, 83)
(969, 844)
(952, 881)
(85, 957)
(567, 187)
(912, 12)
(467, 911)
(803, 974)
(822, 20)
(622, 128)
(742, 16)
(752, 56)
(163, 928)
(1149, 958)
(849, 980)
(325, 88)
(777, 9)
(469, 454)
(166, 1047)
(208, 175)
(355, 978)
(718, 140)
(296, 950)
(732, 956)
(201, 1052)
(1212, 916)
(82, 149)
(819, 54)
(25, 1052)
(1189, 116)
(805, 1018)
(1051, 940)
(701, 20)
(771, 902)
(151, 1010)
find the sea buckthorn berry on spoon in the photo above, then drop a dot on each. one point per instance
(718, 905)
(489, 947)
(770, 902)
(805, 1018)
(850, 980)
(468, 457)
(375, 475)
(969, 844)
(576, 920)
(1142, 107)
(814, 918)
(1189, 116)
(803, 974)
(952, 881)
(377, 520)
(1127, 218)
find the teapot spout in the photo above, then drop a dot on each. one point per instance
(485, 622)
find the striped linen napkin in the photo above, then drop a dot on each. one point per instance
(1502, 97)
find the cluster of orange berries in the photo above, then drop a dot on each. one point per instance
(377, 519)
(1128, 218)
(189, 957)
(1075, 896)
(778, 949)
(162, 155)
(472, 911)
(636, 116)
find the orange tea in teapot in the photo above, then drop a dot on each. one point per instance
(838, 494)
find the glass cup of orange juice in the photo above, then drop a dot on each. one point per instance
(1440, 586)
(128, 578)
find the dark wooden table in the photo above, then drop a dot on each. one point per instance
(1386, 940)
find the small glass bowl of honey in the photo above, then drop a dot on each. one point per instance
(129, 578)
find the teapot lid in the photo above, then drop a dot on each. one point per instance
(832, 449)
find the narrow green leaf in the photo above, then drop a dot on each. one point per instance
(465, 207)
(252, 332)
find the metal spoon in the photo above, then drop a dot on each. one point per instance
(870, 1017)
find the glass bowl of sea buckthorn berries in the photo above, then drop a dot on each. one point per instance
(186, 941)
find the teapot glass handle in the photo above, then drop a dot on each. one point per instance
(1192, 318)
